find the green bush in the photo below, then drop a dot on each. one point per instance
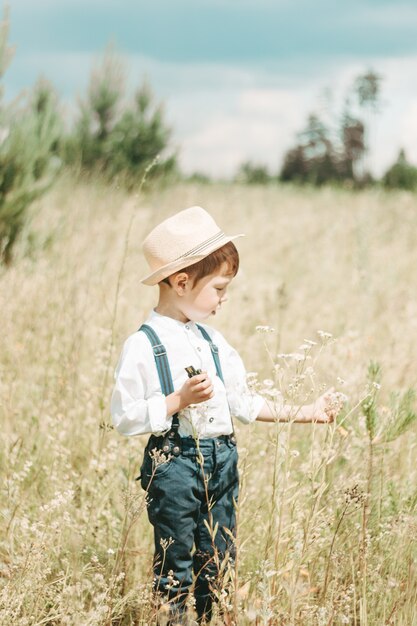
(29, 137)
(401, 175)
(115, 140)
(253, 174)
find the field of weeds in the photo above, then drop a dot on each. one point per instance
(327, 514)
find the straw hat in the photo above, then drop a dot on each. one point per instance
(182, 240)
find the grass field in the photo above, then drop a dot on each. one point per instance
(327, 515)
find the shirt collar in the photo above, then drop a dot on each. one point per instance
(169, 322)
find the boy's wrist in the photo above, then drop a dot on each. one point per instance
(182, 404)
(174, 403)
(181, 400)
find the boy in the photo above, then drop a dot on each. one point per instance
(193, 491)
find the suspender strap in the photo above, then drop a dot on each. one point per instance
(167, 387)
(161, 360)
(214, 351)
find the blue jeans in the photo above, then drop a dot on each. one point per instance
(187, 499)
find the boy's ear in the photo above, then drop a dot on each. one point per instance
(180, 282)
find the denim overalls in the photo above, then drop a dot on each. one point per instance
(191, 501)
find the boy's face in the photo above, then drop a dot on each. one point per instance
(206, 297)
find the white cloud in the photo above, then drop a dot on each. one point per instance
(408, 137)
(261, 123)
(257, 126)
(268, 102)
(225, 114)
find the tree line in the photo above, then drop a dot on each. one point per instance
(337, 152)
(110, 136)
(121, 139)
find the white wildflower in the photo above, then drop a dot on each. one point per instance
(324, 335)
(310, 343)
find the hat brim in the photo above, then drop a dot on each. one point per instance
(185, 261)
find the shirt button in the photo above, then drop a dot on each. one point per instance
(198, 348)
(187, 327)
(211, 419)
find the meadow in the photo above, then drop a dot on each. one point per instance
(326, 296)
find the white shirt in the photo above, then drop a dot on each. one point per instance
(138, 405)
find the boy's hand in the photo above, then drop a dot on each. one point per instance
(327, 407)
(196, 390)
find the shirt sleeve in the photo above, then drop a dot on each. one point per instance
(244, 403)
(137, 406)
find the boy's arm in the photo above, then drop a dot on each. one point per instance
(320, 412)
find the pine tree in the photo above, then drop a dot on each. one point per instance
(314, 159)
(29, 133)
(353, 140)
(138, 139)
(116, 140)
(87, 146)
(367, 88)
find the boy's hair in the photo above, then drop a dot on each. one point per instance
(211, 263)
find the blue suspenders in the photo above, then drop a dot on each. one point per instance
(161, 360)
(167, 386)
(214, 351)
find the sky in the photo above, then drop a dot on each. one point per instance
(238, 78)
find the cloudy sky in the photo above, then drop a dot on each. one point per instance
(238, 77)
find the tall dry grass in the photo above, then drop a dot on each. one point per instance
(327, 515)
